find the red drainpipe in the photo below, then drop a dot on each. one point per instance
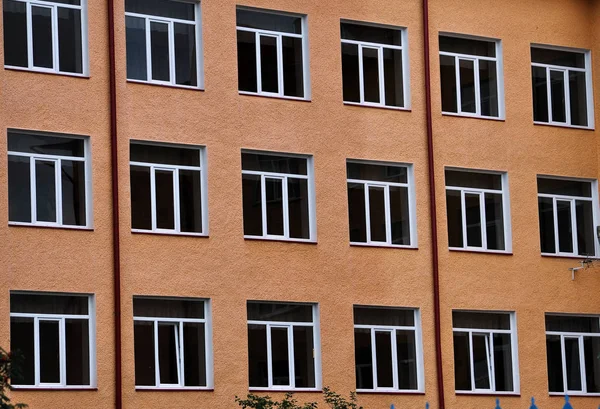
(433, 210)
(115, 204)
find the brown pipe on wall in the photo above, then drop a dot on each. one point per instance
(433, 210)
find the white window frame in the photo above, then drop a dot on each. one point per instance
(278, 35)
(55, 42)
(290, 328)
(309, 177)
(170, 21)
(412, 205)
(572, 199)
(579, 336)
(488, 333)
(481, 193)
(178, 324)
(475, 60)
(56, 159)
(565, 70)
(60, 318)
(380, 47)
(176, 194)
(392, 329)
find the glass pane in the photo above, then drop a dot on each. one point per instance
(363, 358)
(22, 346)
(136, 48)
(564, 187)
(557, 57)
(393, 77)
(554, 360)
(371, 34)
(194, 352)
(45, 190)
(269, 73)
(467, 85)
(383, 353)
(185, 54)
(167, 307)
(357, 221)
(15, 33)
(304, 361)
(168, 336)
(462, 362)
(77, 336)
(370, 60)
(274, 163)
(557, 93)
(143, 338)
(19, 189)
(480, 320)
(262, 311)
(585, 228)
(159, 51)
(377, 214)
(400, 215)
(252, 198)
(69, 40)
(246, 54)
(473, 179)
(383, 316)
(73, 192)
(540, 94)
(162, 8)
(454, 218)
(165, 206)
(565, 227)
(546, 215)
(381, 173)
(298, 208)
(571, 323)
(591, 347)
(573, 364)
(468, 46)
(448, 83)
(481, 363)
(49, 304)
(269, 21)
(578, 98)
(503, 372)
(141, 214)
(43, 144)
(494, 221)
(257, 355)
(41, 31)
(280, 356)
(407, 359)
(190, 201)
(488, 84)
(274, 199)
(293, 80)
(49, 352)
(350, 75)
(473, 216)
(168, 155)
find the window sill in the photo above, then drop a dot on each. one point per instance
(472, 116)
(555, 125)
(383, 246)
(497, 252)
(158, 84)
(293, 390)
(176, 234)
(574, 394)
(488, 393)
(569, 256)
(174, 389)
(54, 389)
(281, 240)
(49, 226)
(254, 94)
(38, 71)
(375, 392)
(364, 105)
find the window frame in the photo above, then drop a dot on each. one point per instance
(153, 167)
(278, 35)
(380, 46)
(309, 177)
(588, 86)
(506, 214)
(392, 329)
(498, 59)
(60, 318)
(412, 203)
(170, 21)
(289, 325)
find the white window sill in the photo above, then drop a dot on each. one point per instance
(46, 71)
(282, 239)
(165, 84)
(484, 251)
(474, 116)
(53, 387)
(283, 389)
(275, 96)
(50, 225)
(173, 388)
(168, 233)
(577, 394)
(571, 256)
(391, 391)
(383, 245)
(487, 393)
(559, 125)
(380, 106)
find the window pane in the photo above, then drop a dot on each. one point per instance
(45, 190)
(377, 214)
(383, 316)
(298, 208)
(194, 352)
(573, 364)
(557, 57)
(473, 179)
(591, 346)
(473, 216)
(136, 48)
(571, 323)
(252, 198)
(564, 187)
(494, 221)
(462, 362)
(383, 351)
(554, 359)
(269, 21)
(15, 33)
(49, 304)
(448, 83)
(159, 51)
(77, 336)
(557, 92)
(382, 173)
(274, 198)
(168, 335)
(41, 31)
(141, 214)
(540, 94)
(257, 355)
(162, 8)
(49, 352)
(565, 228)
(168, 307)
(481, 364)
(165, 207)
(489, 88)
(350, 76)
(371, 34)
(503, 372)
(190, 201)
(20, 141)
(480, 320)
(268, 64)
(143, 338)
(246, 52)
(363, 358)
(393, 77)
(69, 40)
(578, 98)
(585, 228)
(293, 81)
(185, 54)
(21, 345)
(468, 46)
(356, 212)
(546, 215)
(73, 192)
(400, 215)
(19, 189)
(168, 155)
(274, 163)
(467, 85)
(262, 311)
(280, 356)
(370, 60)
(407, 359)
(304, 361)
(454, 216)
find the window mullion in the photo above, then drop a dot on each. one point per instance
(279, 43)
(55, 42)
(156, 360)
(574, 227)
(491, 363)
(374, 358)
(458, 90)
(555, 216)
(178, 356)
(367, 213)
(269, 358)
(564, 363)
(381, 76)
(361, 80)
(477, 86)
(33, 189)
(36, 349)
(482, 215)
(58, 190)
(263, 194)
(549, 94)
(148, 50)
(153, 196)
(176, 201)
(567, 87)
(395, 374)
(472, 361)
(388, 216)
(29, 35)
(258, 64)
(285, 206)
(582, 364)
(172, 73)
(292, 369)
(63, 351)
(463, 208)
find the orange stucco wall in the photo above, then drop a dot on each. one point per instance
(230, 270)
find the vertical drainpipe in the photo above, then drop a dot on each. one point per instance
(115, 204)
(433, 210)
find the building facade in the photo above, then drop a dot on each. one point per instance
(271, 169)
